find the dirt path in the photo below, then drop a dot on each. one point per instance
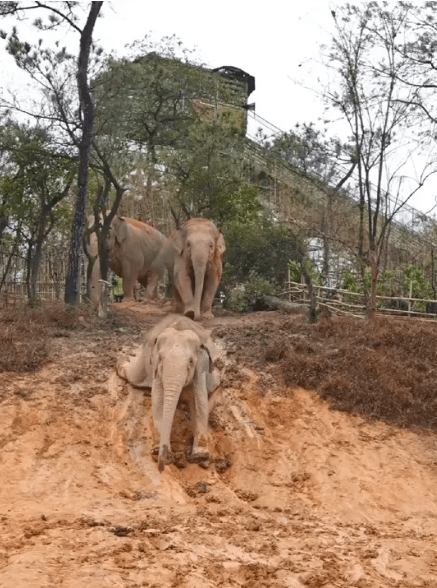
(298, 495)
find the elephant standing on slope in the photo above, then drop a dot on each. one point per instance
(193, 256)
(175, 358)
(132, 248)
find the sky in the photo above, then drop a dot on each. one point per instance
(276, 41)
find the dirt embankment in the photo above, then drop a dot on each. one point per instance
(297, 495)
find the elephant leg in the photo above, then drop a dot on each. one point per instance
(182, 283)
(209, 290)
(129, 281)
(152, 286)
(178, 305)
(198, 402)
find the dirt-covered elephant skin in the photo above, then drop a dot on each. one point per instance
(176, 358)
(132, 248)
(193, 255)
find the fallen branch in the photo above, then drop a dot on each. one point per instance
(275, 303)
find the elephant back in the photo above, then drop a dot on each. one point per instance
(147, 237)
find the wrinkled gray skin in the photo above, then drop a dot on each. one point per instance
(132, 248)
(193, 256)
(175, 358)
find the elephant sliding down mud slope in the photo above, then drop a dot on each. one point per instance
(193, 256)
(175, 358)
(132, 248)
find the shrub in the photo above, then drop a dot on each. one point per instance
(259, 248)
(248, 296)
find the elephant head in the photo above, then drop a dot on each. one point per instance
(179, 359)
(201, 246)
(118, 232)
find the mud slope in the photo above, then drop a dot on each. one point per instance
(297, 495)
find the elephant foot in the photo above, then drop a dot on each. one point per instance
(162, 460)
(207, 315)
(120, 368)
(177, 458)
(200, 456)
(203, 461)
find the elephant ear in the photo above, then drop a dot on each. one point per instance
(122, 229)
(154, 355)
(211, 363)
(178, 242)
(221, 247)
(206, 374)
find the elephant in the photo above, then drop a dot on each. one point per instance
(193, 256)
(132, 247)
(175, 358)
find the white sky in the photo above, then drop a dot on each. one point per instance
(268, 39)
(276, 41)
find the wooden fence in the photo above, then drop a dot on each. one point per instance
(51, 283)
(343, 302)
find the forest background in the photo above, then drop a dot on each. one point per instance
(159, 136)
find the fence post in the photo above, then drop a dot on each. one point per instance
(409, 296)
(302, 281)
(288, 282)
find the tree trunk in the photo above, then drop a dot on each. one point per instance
(91, 261)
(374, 272)
(326, 232)
(35, 259)
(34, 273)
(87, 108)
(3, 224)
(275, 303)
(373, 303)
(312, 314)
(29, 255)
(11, 255)
(104, 286)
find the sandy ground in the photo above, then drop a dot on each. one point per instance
(296, 496)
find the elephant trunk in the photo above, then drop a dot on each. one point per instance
(172, 385)
(199, 266)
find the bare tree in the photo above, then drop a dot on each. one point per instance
(31, 59)
(381, 117)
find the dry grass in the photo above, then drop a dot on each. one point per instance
(386, 370)
(25, 333)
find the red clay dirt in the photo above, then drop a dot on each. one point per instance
(297, 495)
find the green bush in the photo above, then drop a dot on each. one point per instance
(260, 248)
(248, 296)
(296, 272)
(421, 287)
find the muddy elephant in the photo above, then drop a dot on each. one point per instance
(132, 248)
(176, 358)
(193, 256)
